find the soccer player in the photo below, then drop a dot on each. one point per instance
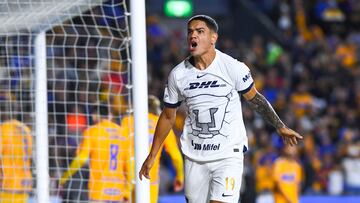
(287, 175)
(170, 146)
(106, 146)
(214, 136)
(15, 159)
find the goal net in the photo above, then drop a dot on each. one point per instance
(87, 71)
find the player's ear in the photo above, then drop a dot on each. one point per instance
(214, 37)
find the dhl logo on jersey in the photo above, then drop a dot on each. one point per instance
(205, 84)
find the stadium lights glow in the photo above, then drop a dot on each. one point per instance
(178, 8)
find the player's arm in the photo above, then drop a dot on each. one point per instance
(171, 147)
(281, 191)
(302, 179)
(29, 138)
(260, 104)
(75, 165)
(163, 127)
(79, 160)
(128, 164)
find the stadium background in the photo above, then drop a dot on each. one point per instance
(304, 56)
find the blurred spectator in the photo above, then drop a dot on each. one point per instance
(311, 164)
(327, 167)
(351, 165)
(264, 158)
(346, 54)
(15, 155)
(288, 175)
(301, 100)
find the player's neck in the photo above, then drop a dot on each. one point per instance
(290, 158)
(203, 61)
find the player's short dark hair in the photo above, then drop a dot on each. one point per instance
(209, 21)
(101, 109)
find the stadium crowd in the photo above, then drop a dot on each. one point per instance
(312, 80)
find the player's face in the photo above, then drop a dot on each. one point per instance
(200, 38)
(290, 151)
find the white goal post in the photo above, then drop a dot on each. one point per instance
(59, 59)
(138, 51)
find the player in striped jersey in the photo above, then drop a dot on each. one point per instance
(15, 159)
(106, 146)
(170, 146)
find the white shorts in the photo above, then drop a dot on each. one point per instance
(218, 180)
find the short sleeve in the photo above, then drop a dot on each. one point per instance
(171, 93)
(243, 78)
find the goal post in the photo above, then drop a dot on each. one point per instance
(59, 60)
(138, 50)
(41, 120)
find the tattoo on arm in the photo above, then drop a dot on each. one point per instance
(260, 104)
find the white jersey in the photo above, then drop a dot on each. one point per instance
(214, 128)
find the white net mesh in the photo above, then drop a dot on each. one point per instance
(88, 62)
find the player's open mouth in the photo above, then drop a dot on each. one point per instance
(193, 45)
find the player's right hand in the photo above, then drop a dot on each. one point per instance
(146, 167)
(289, 136)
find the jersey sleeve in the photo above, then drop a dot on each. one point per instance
(243, 78)
(171, 93)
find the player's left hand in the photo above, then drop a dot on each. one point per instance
(178, 185)
(289, 136)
